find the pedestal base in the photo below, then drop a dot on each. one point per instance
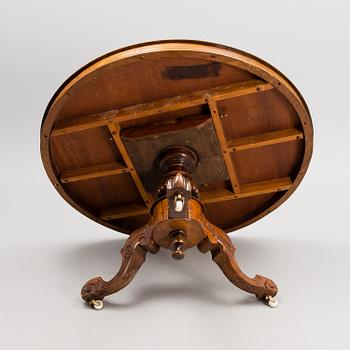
(195, 230)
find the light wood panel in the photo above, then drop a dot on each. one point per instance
(265, 139)
(93, 171)
(123, 212)
(223, 145)
(115, 131)
(248, 190)
(258, 188)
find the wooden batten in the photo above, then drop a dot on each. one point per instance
(123, 212)
(159, 106)
(262, 187)
(265, 139)
(115, 132)
(247, 190)
(207, 197)
(92, 172)
(239, 89)
(222, 141)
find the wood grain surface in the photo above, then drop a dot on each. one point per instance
(262, 124)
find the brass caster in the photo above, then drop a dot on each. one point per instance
(178, 254)
(271, 301)
(96, 304)
(178, 244)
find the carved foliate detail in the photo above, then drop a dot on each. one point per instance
(133, 255)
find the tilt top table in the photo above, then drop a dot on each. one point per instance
(176, 143)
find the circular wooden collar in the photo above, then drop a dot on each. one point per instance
(249, 124)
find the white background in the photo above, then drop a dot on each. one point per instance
(48, 250)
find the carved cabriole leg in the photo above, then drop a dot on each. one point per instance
(133, 255)
(222, 251)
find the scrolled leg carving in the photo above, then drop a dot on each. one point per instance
(222, 251)
(133, 255)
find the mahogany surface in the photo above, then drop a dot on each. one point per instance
(261, 121)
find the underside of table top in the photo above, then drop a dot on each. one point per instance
(103, 128)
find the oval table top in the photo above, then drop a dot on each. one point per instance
(104, 127)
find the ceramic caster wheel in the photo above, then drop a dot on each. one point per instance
(271, 301)
(96, 304)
